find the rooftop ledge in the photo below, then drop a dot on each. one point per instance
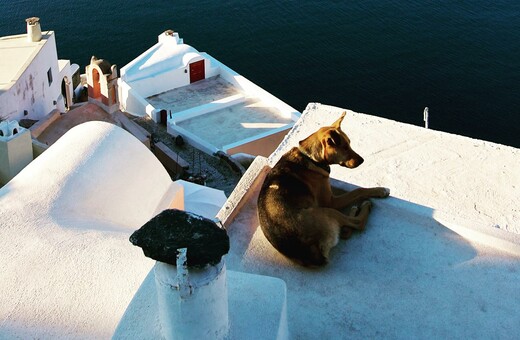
(438, 258)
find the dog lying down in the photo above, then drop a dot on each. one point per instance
(297, 210)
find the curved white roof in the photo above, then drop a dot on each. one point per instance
(163, 56)
(68, 269)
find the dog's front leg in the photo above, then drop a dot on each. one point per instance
(358, 195)
(330, 217)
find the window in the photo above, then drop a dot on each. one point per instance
(76, 79)
(49, 76)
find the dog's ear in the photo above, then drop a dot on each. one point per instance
(337, 123)
(334, 138)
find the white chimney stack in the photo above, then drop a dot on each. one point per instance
(34, 31)
(193, 304)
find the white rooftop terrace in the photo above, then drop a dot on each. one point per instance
(439, 258)
(238, 115)
(195, 94)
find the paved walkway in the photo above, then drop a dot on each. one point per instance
(81, 114)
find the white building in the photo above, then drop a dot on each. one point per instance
(33, 82)
(176, 85)
(167, 65)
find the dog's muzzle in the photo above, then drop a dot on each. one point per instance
(353, 162)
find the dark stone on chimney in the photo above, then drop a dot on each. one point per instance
(173, 229)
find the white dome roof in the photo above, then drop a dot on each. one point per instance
(163, 56)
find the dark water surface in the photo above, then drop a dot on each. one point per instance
(387, 58)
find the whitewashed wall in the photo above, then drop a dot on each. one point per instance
(32, 91)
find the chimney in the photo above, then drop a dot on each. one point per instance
(170, 36)
(34, 31)
(193, 303)
(190, 274)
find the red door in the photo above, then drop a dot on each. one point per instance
(197, 71)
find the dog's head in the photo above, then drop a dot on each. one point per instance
(332, 146)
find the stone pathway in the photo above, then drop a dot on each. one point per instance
(217, 173)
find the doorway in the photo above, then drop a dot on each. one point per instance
(96, 93)
(197, 71)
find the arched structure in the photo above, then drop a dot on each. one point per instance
(66, 92)
(102, 84)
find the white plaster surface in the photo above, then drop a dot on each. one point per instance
(236, 123)
(192, 304)
(67, 267)
(439, 258)
(257, 309)
(68, 270)
(24, 85)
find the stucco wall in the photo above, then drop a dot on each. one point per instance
(32, 91)
(161, 82)
(132, 102)
(169, 79)
(15, 154)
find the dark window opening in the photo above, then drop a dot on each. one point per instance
(49, 76)
(76, 79)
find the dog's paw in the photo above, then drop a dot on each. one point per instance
(383, 192)
(366, 205)
(354, 211)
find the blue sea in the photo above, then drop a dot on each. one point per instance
(459, 58)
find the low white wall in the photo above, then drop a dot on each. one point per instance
(161, 82)
(194, 140)
(212, 65)
(207, 108)
(65, 71)
(132, 102)
(260, 145)
(251, 88)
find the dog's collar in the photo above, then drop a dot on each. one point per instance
(323, 166)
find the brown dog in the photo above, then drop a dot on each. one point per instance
(297, 210)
